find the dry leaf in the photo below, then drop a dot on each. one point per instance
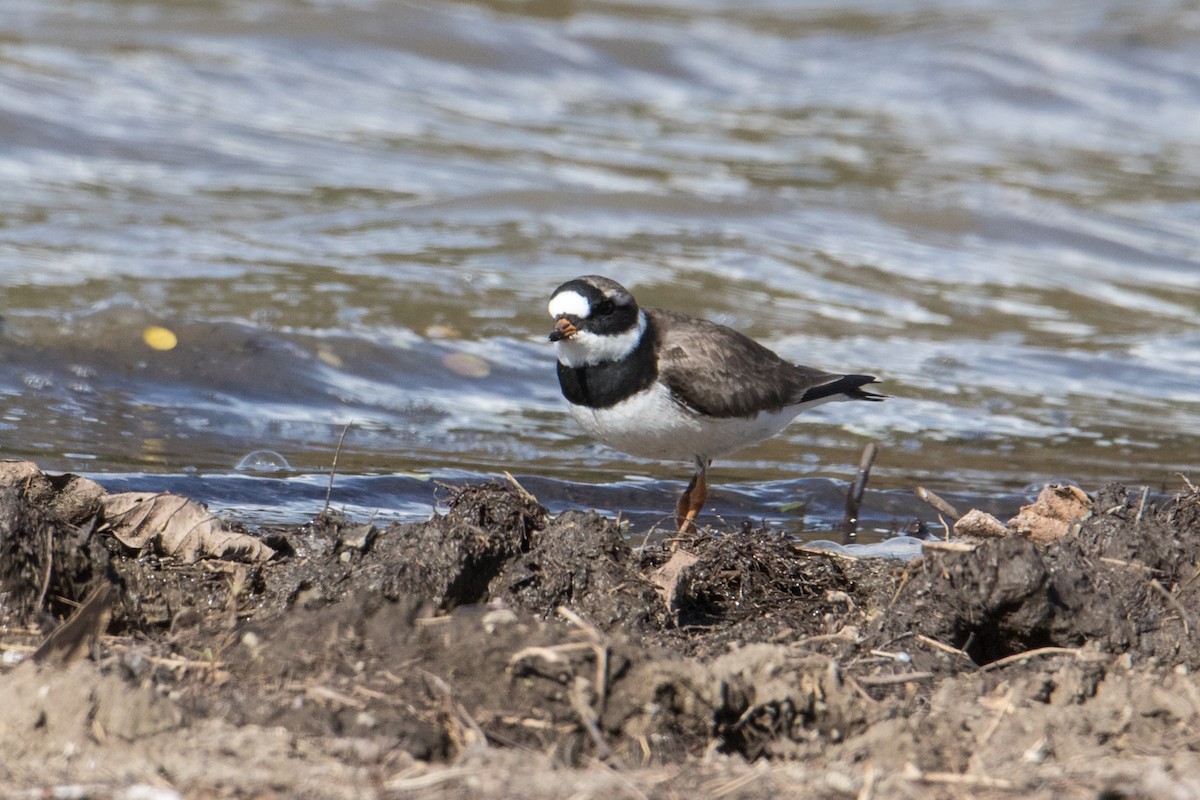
(178, 527)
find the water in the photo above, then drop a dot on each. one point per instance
(352, 213)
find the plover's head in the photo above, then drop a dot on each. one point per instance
(595, 320)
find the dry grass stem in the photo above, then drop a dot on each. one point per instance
(1035, 653)
(890, 680)
(1173, 601)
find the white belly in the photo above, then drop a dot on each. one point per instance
(652, 425)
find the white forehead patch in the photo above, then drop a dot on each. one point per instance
(573, 303)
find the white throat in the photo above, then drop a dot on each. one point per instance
(586, 349)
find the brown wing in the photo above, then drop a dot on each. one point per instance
(704, 365)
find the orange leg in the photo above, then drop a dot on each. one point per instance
(691, 502)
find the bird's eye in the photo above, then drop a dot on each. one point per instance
(604, 307)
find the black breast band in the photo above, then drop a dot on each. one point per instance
(604, 385)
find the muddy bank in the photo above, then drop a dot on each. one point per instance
(495, 651)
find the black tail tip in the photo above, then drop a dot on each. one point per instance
(856, 392)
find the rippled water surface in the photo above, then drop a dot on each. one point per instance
(354, 212)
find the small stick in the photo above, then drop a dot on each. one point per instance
(887, 680)
(333, 467)
(903, 582)
(1116, 562)
(331, 695)
(863, 693)
(945, 648)
(80, 634)
(600, 650)
(844, 635)
(552, 654)
(868, 782)
(855, 494)
(914, 773)
(402, 783)
(521, 490)
(887, 655)
(949, 547)
(579, 622)
(589, 717)
(49, 566)
(740, 782)
(1174, 602)
(1141, 506)
(1004, 710)
(926, 496)
(1040, 651)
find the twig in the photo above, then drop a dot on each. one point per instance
(552, 654)
(914, 773)
(458, 712)
(945, 648)
(890, 680)
(183, 663)
(858, 689)
(570, 616)
(465, 719)
(521, 490)
(331, 695)
(601, 678)
(901, 657)
(903, 582)
(1040, 651)
(938, 503)
(429, 779)
(1117, 562)
(953, 547)
(49, 566)
(1174, 603)
(1141, 506)
(333, 467)
(589, 717)
(60, 791)
(855, 494)
(641, 551)
(80, 634)
(846, 634)
(600, 649)
(120, 645)
(832, 555)
(868, 782)
(740, 782)
(1006, 708)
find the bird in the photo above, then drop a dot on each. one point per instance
(660, 384)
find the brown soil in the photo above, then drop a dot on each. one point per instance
(493, 651)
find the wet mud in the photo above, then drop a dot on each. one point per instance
(496, 651)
